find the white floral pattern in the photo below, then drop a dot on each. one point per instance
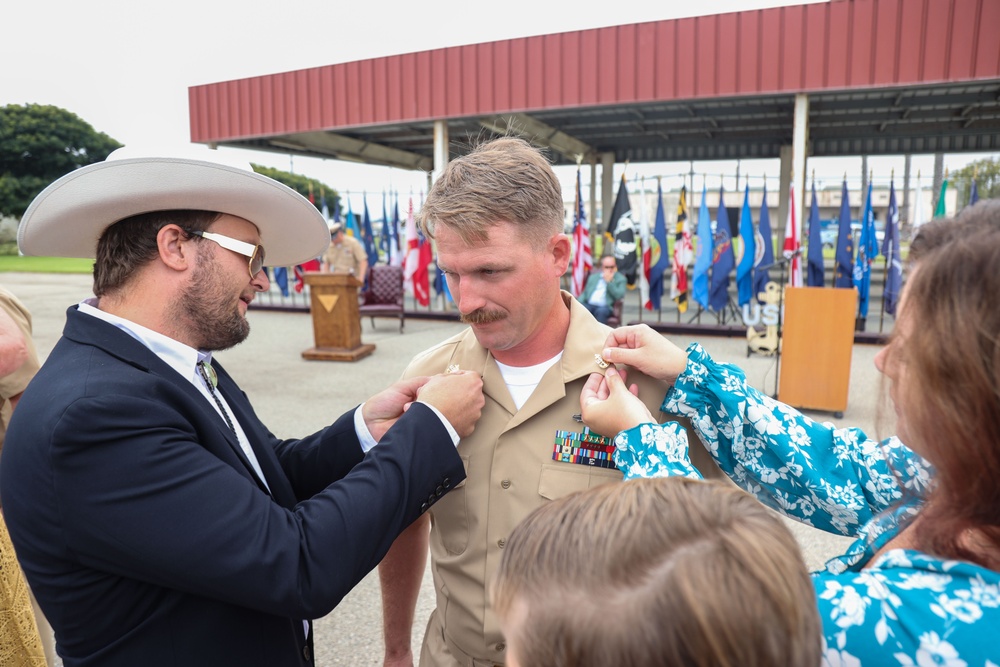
(903, 608)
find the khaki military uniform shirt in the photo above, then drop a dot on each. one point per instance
(346, 257)
(15, 383)
(508, 459)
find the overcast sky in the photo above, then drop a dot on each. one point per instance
(125, 66)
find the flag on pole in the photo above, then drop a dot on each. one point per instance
(765, 249)
(312, 198)
(281, 279)
(621, 233)
(421, 277)
(843, 275)
(867, 251)
(703, 260)
(890, 248)
(939, 210)
(385, 239)
(369, 237)
(748, 252)
(815, 274)
(583, 261)
(397, 254)
(793, 245)
(322, 204)
(659, 257)
(918, 208)
(415, 273)
(644, 249)
(683, 252)
(351, 224)
(723, 259)
(973, 193)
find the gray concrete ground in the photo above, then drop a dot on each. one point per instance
(295, 397)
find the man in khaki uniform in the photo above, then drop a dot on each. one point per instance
(345, 254)
(497, 217)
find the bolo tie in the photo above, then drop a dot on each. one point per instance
(212, 380)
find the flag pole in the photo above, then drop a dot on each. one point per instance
(886, 262)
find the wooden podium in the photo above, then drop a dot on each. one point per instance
(336, 323)
(816, 345)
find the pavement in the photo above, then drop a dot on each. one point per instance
(295, 397)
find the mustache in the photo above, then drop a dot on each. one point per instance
(483, 316)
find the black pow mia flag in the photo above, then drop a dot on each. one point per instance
(622, 232)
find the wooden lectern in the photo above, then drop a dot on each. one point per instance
(816, 345)
(336, 322)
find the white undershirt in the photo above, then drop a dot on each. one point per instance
(599, 297)
(522, 380)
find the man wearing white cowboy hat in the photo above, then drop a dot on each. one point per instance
(158, 521)
(345, 254)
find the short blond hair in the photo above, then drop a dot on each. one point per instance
(667, 571)
(504, 180)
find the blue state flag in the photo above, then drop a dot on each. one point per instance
(765, 249)
(386, 236)
(703, 260)
(816, 270)
(974, 193)
(662, 261)
(843, 275)
(867, 251)
(723, 258)
(748, 252)
(890, 248)
(351, 224)
(369, 237)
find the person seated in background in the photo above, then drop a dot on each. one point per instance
(673, 572)
(921, 584)
(603, 289)
(345, 254)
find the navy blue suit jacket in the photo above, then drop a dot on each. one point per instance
(146, 537)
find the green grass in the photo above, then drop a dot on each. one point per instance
(9, 263)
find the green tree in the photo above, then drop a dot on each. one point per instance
(38, 144)
(987, 175)
(302, 185)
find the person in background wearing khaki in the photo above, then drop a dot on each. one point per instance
(25, 636)
(345, 254)
(496, 215)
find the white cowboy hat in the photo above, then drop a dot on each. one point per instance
(67, 218)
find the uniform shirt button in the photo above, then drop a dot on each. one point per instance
(500, 646)
(306, 653)
(505, 484)
(501, 543)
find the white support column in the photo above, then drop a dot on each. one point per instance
(607, 187)
(800, 146)
(441, 155)
(592, 211)
(785, 170)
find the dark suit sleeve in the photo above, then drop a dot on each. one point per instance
(144, 499)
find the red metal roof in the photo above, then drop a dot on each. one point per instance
(836, 46)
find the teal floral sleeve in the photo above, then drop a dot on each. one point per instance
(836, 479)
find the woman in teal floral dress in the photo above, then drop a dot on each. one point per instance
(921, 584)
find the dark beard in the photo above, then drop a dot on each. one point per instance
(213, 322)
(483, 316)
